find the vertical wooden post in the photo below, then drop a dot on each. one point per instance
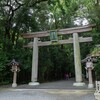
(35, 60)
(77, 61)
(34, 74)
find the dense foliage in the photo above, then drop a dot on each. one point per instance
(23, 16)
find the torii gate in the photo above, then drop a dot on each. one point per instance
(75, 40)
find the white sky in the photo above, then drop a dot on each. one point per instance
(80, 21)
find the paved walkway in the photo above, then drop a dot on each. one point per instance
(45, 94)
(62, 84)
(59, 90)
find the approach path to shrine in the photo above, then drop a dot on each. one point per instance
(59, 90)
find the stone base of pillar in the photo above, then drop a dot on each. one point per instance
(34, 83)
(14, 85)
(79, 84)
(90, 86)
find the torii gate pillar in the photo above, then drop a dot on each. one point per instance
(77, 61)
(34, 73)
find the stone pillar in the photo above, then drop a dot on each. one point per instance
(14, 79)
(34, 74)
(90, 85)
(77, 61)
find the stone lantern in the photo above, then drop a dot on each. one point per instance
(15, 68)
(89, 67)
